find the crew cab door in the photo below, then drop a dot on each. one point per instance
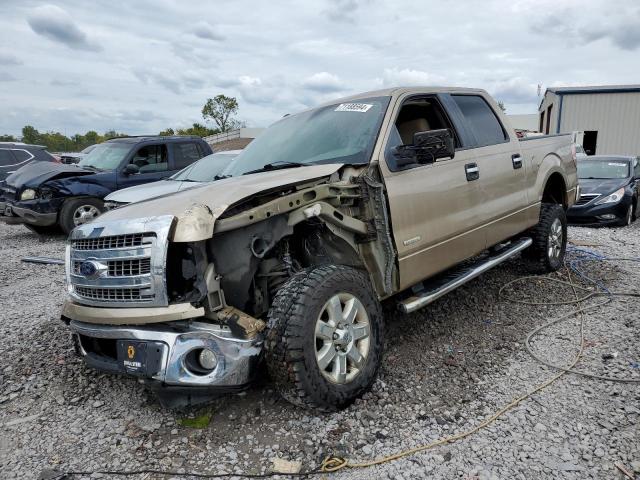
(435, 207)
(147, 163)
(502, 169)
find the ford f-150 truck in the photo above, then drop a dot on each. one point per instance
(397, 195)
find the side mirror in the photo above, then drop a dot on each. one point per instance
(130, 169)
(427, 147)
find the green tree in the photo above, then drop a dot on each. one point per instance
(8, 138)
(199, 130)
(502, 107)
(30, 135)
(92, 137)
(167, 132)
(221, 109)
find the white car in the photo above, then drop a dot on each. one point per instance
(207, 169)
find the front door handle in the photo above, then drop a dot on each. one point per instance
(516, 160)
(472, 171)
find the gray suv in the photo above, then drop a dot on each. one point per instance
(14, 155)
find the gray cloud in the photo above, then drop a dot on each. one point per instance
(56, 24)
(60, 82)
(323, 82)
(6, 77)
(206, 31)
(154, 75)
(620, 26)
(9, 59)
(343, 10)
(158, 65)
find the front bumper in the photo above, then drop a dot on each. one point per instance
(168, 346)
(36, 212)
(606, 214)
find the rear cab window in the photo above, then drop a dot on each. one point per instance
(481, 120)
(22, 155)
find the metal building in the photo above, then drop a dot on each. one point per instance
(608, 116)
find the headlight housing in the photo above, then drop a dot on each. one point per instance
(28, 194)
(612, 198)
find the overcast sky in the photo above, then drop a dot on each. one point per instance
(141, 66)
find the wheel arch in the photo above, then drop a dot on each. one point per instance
(555, 190)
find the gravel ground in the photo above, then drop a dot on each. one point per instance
(445, 370)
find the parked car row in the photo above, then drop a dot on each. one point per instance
(47, 195)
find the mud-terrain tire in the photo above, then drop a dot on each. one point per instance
(300, 337)
(546, 253)
(74, 208)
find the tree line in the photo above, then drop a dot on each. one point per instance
(220, 110)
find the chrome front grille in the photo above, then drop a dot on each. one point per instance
(121, 268)
(120, 263)
(114, 241)
(586, 198)
(114, 294)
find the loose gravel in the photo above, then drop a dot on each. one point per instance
(446, 368)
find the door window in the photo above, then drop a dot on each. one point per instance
(150, 159)
(481, 119)
(184, 154)
(416, 115)
(6, 158)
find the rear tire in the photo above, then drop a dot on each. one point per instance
(77, 211)
(325, 341)
(546, 253)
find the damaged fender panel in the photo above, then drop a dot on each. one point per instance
(196, 223)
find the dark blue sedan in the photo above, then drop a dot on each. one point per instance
(608, 191)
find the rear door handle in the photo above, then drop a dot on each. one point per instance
(472, 171)
(516, 160)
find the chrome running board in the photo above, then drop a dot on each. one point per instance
(432, 293)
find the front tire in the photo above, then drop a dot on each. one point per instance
(546, 253)
(78, 211)
(628, 218)
(325, 342)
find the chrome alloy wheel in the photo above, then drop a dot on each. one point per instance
(84, 214)
(555, 239)
(342, 338)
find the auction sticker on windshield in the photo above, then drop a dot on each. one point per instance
(353, 107)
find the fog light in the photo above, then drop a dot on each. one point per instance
(207, 359)
(607, 216)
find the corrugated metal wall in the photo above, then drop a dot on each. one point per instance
(615, 116)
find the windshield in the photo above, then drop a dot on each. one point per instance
(106, 156)
(603, 169)
(205, 169)
(339, 133)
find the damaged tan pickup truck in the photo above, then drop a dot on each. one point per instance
(399, 195)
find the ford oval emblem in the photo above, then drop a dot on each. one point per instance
(88, 269)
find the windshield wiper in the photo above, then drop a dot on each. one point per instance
(91, 167)
(276, 166)
(221, 177)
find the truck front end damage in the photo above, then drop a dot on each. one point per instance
(178, 300)
(133, 312)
